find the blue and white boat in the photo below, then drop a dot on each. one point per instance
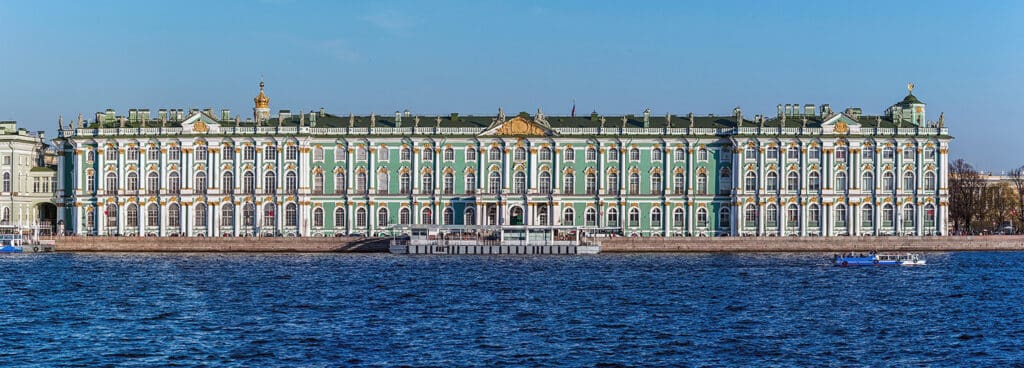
(10, 243)
(875, 259)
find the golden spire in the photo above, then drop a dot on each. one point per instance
(261, 100)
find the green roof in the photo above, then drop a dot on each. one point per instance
(910, 99)
(43, 169)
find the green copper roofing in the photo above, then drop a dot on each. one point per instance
(910, 99)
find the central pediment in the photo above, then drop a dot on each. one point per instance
(200, 123)
(518, 126)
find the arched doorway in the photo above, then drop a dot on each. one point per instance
(516, 216)
(492, 214)
(47, 213)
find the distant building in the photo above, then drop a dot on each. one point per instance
(28, 178)
(806, 171)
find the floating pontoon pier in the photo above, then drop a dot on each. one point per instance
(474, 239)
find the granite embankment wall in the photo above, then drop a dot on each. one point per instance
(219, 244)
(831, 244)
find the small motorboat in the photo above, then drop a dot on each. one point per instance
(875, 259)
(9, 244)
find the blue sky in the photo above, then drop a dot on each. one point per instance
(437, 57)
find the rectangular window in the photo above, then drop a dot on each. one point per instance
(793, 153)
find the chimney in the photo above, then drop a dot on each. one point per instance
(647, 118)
(323, 112)
(133, 115)
(162, 114)
(179, 114)
(144, 115)
(406, 113)
(809, 110)
(780, 110)
(398, 119)
(225, 114)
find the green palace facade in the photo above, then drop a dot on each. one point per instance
(804, 171)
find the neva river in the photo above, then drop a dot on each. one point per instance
(254, 310)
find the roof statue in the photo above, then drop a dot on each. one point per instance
(910, 87)
(302, 118)
(668, 120)
(351, 120)
(602, 121)
(416, 122)
(60, 121)
(501, 114)
(79, 121)
(373, 120)
(691, 120)
(942, 119)
(437, 122)
(624, 120)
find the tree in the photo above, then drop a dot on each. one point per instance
(966, 188)
(1017, 179)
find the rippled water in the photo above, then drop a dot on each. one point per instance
(963, 309)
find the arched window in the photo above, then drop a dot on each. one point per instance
(228, 182)
(173, 217)
(841, 215)
(613, 154)
(111, 181)
(772, 181)
(634, 217)
(318, 183)
(291, 182)
(90, 182)
(771, 215)
(470, 183)
(469, 216)
(470, 153)
(227, 215)
(427, 183)
(591, 154)
(494, 154)
(678, 183)
(655, 217)
(248, 182)
(200, 183)
(382, 217)
(568, 216)
(200, 215)
(702, 183)
(909, 215)
(153, 182)
(448, 184)
(153, 215)
(318, 153)
(724, 180)
(318, 217)
(132, 183)
(494, 182)
(929, 181)
(544, 182)
(269, 216)
(249, 215)
(750, 181)
(111, 213)
(888, 181)
(591, 183)
(291, 216)
(867, 216)
(679, 217)
(292, 153)
(702, 155)
(656, 154)
(448, 216)
(90, 217)
(634, 154)
(792, 215)
(841, 181)
(519, 183)
(792, 181)
(132, 215)
(449, 154)
(545, 154)
(404, 216)
(613, 217)
(750, 215)
(868, 181)
(634, 184)
(174, 182)
(724, 218)
(339, 218)
(569, 183)
(680, 155)
(929, 215)
(570, 154)
(361, 217)
(405, 154)
(887, 215)
(427, 216)
(227, 153)
(383, 182)
(702, 217)
(813, 215)
(613, 183)
(270, 182)
(908, 181)
(656, 183)
(590, 217)
(814, 181)
(361, 183)
(520, 154)
(339, 183)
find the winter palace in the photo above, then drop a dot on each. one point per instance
(804, 171)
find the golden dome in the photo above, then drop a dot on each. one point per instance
(261, 100)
